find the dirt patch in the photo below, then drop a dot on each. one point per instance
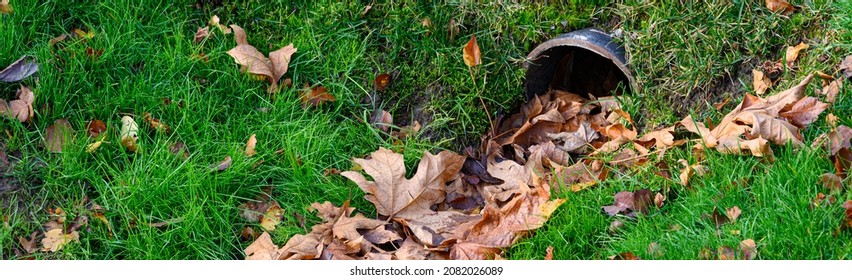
(702, 98)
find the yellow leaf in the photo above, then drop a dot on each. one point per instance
(471, 53)
(272, 217)
(55, 239)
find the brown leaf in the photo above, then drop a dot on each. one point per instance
(839, 138)
(623, 204)
(659, 199)
(643, 201)
(662, 138)
(760, 81)
(452, 29)
(804, 112)
(793, 52)
(471, 53)
(749, 249)
(156, 124)
(847, 217)
(57, 135)
(781, 6)
(382, 82)
(222, 165)
(272, 217)
(718, 218)
(19, 70)
(179, 148)
(256, 63)
(831, 182)
(5, 8)
(846, 67)
(688, 170)
(95, 128)
(577, 141)
(29, 245)
(347, 228)
(20, 109)
(733, 213)
(718, 106)
(301, 247)
(726, 253)
(395, 196)
(250, 144)
(315, 96)
(382, 120)
(55, 239)
(411, 250)
(202, 34)
(548, 253)
(831, 90)
(214, 21)
(262, 249)
(281, 63)
(625, 256)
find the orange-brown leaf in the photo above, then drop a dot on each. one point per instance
(793, 52)
(471, 53)
(382, 81)
(781, 6)
(760, 81)
(805, 111)
(250, 145)
(57, 135)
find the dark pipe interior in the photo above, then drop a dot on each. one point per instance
(576, 70)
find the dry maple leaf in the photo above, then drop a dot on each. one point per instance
(411, 250)
(471, 53)
(733, 213)
(21, 108)
(256, 63)
(831, 90)
(382, 120)
(760, 81)
(57, 135)
(315, 96)
(262, 249)
(395, 196)
(662, 138)
(793, 52)
(577, 141)
(55, 239)
(250, 145)
(831, 182)
(781, 6)
(689, 170)
(749, 249)
(29, 245)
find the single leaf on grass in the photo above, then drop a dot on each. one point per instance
(781, 6)
(688, 170)
(222, 165)
(396, 196)
(30, 245)
(214, 21)
(156, 124)
(179, 148)
(55, 239)
(847, 217)
(726, 253)
(79, 33)
(382, 82)
(382, 120)
(129, 133)
(793, 52)
(452, 29)
(272, 217)
(256, 63)
(19, 70)
(202, 34)
(5, 8)
(846, 67)
(831, 182)
(250, 145)
(760, 81)
(57, 135)
(733, 213)
(95, 127)
(471, 53)
(548, 253)
(628, 256)
(749, 249)
(21, 108)
(315, 96)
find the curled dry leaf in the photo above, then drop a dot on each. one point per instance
(262, 249)
(58, 39)
(5, 8)
(19, 70)
(95, 127)
(156, 124)
(831, 90)
(129, 133)
(21, 108)
(179, 148)
(382, 120)
(214, 21)
(315, 96)
(273, 68)
(471, 53)
(272, 217)
(847, 215)
(804, 112)
(57, 135)
(250, 145)
(793, 52)
(831, 182)
(760, 81)
(548, 253)
(726, 253)
(846, 67)
(382, 81)
(202, 34)
(733, 213)
(749, 249)
(30, 245)
(781, 6)
(222, 165)
(452, 29)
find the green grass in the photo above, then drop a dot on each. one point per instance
(681, 54)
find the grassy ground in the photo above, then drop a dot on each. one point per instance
(684, 56)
